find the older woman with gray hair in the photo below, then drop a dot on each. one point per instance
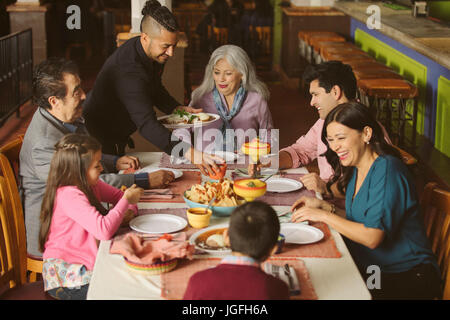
(231, 89)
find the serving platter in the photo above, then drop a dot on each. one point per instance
(215, 117)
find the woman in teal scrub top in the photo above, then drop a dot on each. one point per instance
(382, 223)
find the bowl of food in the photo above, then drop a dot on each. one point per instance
(199, 217)
(199, 195)
(249, 189)
(211, 240)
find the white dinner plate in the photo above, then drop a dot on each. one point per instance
(189, 125)
(200, 232)
(176, 173)
(229, 157)
(300, 233)
(158, 223)
(283, 185)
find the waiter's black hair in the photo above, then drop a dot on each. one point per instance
(161, 14)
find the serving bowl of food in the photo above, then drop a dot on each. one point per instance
(199, 195)
(211, 240)
(249, 189)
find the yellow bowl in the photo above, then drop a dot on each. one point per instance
(198, 218)
(249, 189)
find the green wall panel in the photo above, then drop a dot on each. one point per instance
(409, 68)
(442, 141)
(277, 31)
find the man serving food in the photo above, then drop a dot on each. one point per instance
(129, 85)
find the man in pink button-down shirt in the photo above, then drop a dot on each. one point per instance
(330, 84)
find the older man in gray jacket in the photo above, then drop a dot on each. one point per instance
(58, 94)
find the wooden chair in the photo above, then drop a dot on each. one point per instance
(407, 158)
(13, 284)
(9, 167)
(436, 205)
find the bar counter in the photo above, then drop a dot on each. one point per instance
(429, 38)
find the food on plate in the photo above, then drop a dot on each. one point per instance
(222, 190)
(212, 240)
(217, 175)
(184, 117)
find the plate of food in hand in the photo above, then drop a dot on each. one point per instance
(211, 240)
(183, 119)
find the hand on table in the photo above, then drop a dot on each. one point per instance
(206, 163)
(160, 179)
(133, 194)
(308, 208)
(127, 162)
(312, 181)
(253, 168)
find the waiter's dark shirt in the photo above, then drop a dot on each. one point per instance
(122, 100)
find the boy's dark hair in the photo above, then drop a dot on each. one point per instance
(161, 14)
(332, 73)
(48, 80)
(254, 229)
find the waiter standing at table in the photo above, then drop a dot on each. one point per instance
(129, 85)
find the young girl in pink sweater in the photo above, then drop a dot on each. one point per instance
(72, 217)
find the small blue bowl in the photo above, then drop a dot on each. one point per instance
(216, 211)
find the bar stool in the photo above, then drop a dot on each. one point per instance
(342, 49)
(349, 56)
(361, 74)
(314, 45)
(364, 64)
(382, 92)
(332, 45)
(303, 40)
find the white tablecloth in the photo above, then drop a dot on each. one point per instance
(332, 278)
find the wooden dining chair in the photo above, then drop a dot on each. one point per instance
(9, 167)
(436, 205)
(13, 285)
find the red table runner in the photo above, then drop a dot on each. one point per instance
(174, 283)
(325, 248)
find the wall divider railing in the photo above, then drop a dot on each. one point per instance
(16, 72)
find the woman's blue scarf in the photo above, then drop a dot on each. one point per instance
(223, 110)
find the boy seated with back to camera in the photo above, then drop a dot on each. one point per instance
(252, 235)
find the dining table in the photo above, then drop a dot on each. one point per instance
(327, 268)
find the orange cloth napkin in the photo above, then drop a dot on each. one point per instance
(138, 250)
